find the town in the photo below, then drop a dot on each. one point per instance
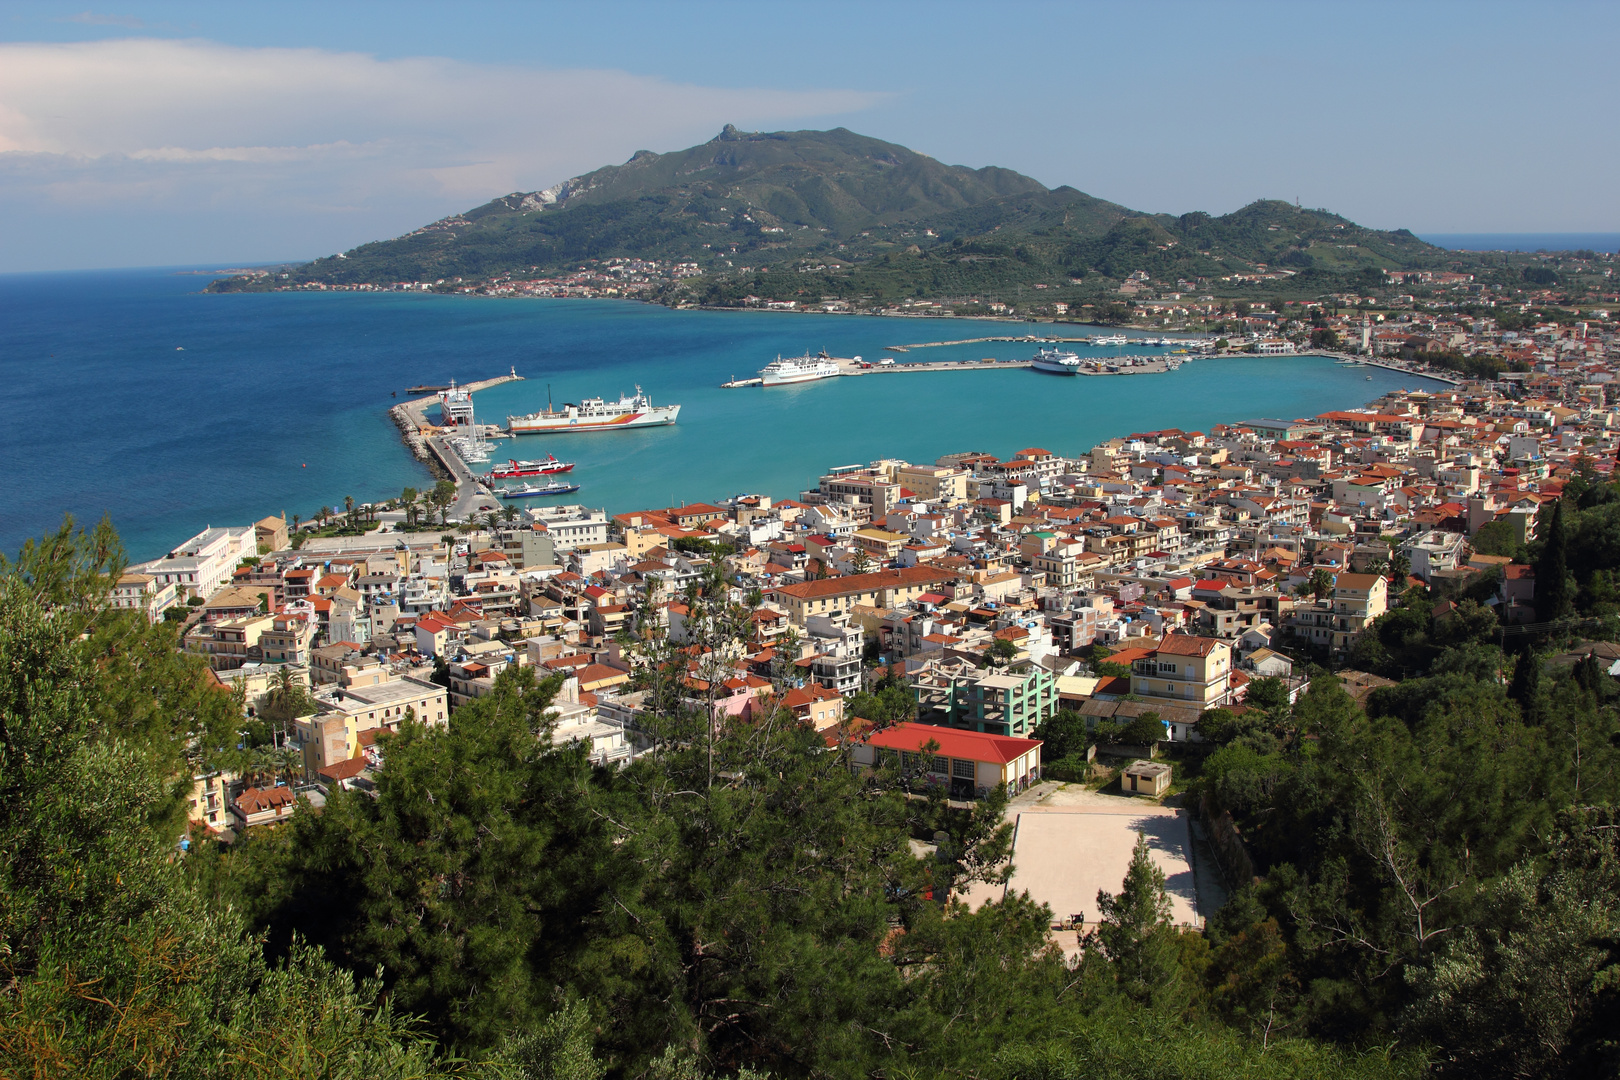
(1146, 587)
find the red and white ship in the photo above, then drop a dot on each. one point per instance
(514, 468)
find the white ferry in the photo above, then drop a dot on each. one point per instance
(594, 414)
(1056, 362)
(1114, 339)
(798, 369)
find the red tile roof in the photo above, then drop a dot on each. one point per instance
(967, 745)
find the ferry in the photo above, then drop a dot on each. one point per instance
(555, 487)
(594, 414)
(1115, 339)
(1056, 362)
(798, 369)
(514, 469)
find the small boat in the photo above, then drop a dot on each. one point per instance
(555, 487)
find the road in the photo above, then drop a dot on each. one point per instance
(471, 496)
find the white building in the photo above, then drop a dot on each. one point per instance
(204, 563)
(572, 526)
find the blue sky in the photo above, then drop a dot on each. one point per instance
(163, 133)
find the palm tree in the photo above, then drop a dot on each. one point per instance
(326, 513)
(348, 509)
(509, 512)
(490, 521)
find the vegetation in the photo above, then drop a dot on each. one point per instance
(819, 215)
(1438, 889)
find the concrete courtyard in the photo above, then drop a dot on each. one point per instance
(1071, 842)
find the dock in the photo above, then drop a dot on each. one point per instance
(437, 454)
(1134, 364)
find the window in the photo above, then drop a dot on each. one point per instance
(962, 770)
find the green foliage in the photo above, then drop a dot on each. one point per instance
(1134, 930)
(869, 222)
(891, 701)
(114, 964)
(1497, 538)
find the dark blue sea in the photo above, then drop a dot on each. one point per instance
(1592, 241)
(136, 395)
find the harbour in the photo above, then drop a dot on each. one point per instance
(340, 439)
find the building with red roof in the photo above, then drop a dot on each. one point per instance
(971, 763)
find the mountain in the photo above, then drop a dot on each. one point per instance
(837, 214)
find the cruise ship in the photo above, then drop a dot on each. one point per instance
(594, 414)
(798, 369)
(1056, 362)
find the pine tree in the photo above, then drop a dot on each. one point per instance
(1552, 570)
(1135, 931)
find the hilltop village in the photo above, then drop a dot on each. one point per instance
(948, 611)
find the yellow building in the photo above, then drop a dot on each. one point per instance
(880, 543)
(1358, 599)
(1185, 669)
(332, 734)
(935, 484)
(881, 589)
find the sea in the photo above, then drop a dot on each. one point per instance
(134, 394)
(1587, 241)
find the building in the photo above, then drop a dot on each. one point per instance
(1358, 599)
(880, 544)
(570, 527)
(995, 702)
(142, 592)
(230, 643)
(270, 534)
(1188, 670)
(934, 484)
(289, 637)
(884, 588)
(1150, 778)
(263, 806)
(204, 563)
(332, 733)
(970, 763)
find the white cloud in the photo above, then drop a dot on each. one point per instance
(161, 126)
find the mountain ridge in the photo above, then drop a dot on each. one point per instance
(836, 213)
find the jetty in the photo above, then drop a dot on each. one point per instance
(437, 454)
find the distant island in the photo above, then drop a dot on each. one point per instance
(839, 222)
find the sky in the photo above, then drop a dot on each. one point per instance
(181, 133)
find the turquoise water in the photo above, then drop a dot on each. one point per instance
(133, 394)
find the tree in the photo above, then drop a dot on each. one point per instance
(1268, 693)
(1134, 930)
(1144, 730)
(348, 510)
(1497, 538)
(1001, 652)
(860, 561)
(116, 962)
(1552, 569)
(1319, 584)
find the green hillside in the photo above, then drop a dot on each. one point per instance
(822, 214)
